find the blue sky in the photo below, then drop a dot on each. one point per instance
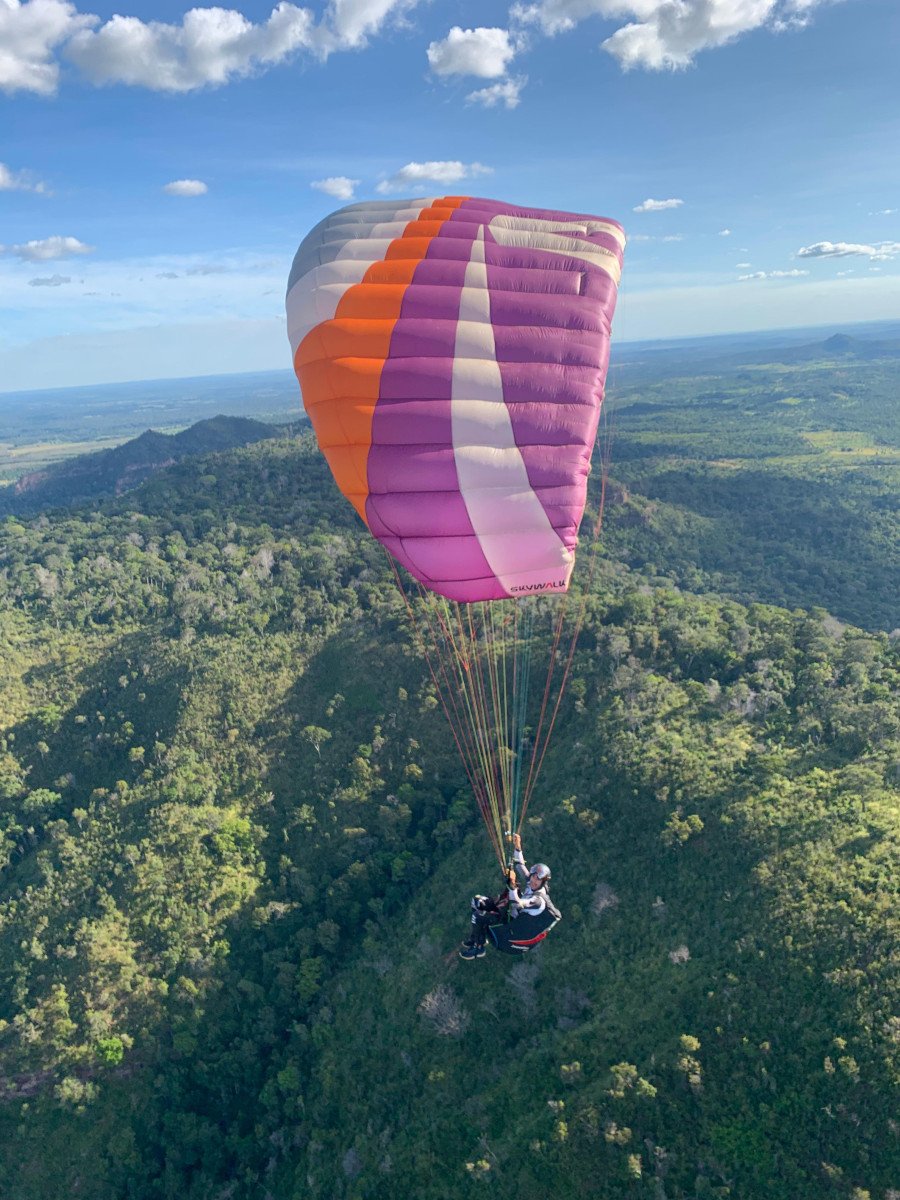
(159, 167)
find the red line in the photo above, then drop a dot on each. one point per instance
(530, 942)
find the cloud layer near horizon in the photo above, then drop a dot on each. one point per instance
(879, 252)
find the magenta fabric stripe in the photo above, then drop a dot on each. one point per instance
(414, 506)
(550, 315)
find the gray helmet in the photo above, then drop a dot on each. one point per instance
(541, 870)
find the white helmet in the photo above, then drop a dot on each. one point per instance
(541, 870)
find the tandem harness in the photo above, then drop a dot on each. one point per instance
(517, 936)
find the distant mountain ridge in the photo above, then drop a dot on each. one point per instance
(112, 472)
(839, 345)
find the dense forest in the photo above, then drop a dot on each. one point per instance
(238, 846)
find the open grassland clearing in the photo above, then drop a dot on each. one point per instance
(844, 441)
(35, 456)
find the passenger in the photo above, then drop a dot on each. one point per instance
(532, 899)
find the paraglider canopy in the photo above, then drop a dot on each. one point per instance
(452, 355)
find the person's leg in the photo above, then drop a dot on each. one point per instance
(478, 931)
(473, 946)
(480, 925)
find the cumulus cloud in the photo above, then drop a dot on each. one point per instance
(348, 24)
(743, 266)
(883, 212)
(880, 251)
(210, 46)
(50, 281)
(724, 233)
(657, 205)
(20, 181)
(506, 93)
(214, 45)
(48, 249)
(667, 34)
(483, 52)
(794, 274)
(338, 186)
(29, 34)
(442, 173)
(186, 187)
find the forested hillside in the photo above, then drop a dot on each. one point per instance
(774, 481)
(117, 470)
(238, 849)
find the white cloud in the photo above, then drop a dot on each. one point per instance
(841, 274)
(880, 251)
(186, 187)
(50, 281)
(884, 212)
(795, 274)
(209, 269)
(348, 24)
(20, 181)
(209, 47)
(666, 34)
(555, 16)
(29, 33)
(506, 93)
(338, 186)
(724, 233)
(743, 266)
(483, 52)
(648, 237)
(48, 249)
(442, 173)
(657, 205)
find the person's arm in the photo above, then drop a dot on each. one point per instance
(519, 858)
(533, 904)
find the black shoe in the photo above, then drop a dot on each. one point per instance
(471, 952)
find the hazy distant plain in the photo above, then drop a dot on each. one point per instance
(45, 426)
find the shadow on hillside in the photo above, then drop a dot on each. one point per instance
(765, 536)
(128, 698)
